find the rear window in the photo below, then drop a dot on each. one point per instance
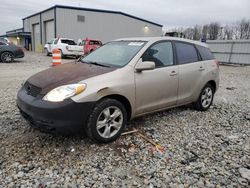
(186, 53)
(69, 42)
(205, 53)
(93, 42)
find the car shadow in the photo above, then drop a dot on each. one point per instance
(81, 141)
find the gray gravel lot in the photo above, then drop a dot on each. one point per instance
(202, 149)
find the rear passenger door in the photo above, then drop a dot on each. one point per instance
(191, 70)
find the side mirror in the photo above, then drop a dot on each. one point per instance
(145, 65)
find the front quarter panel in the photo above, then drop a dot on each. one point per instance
(118, 82)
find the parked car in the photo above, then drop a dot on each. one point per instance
(68, 47)
(9, 52)
(119, 81)
(5, 39)
(89, 45)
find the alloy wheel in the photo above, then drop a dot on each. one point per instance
(206, 97)
(7, 57)
(109, 122)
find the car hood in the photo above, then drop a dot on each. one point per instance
(67, 73)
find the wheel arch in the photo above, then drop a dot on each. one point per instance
(122, 100)
(213, 83)
(6, 51)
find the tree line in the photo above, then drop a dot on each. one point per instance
(215, 31)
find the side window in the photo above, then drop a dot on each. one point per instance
(69, 42)
(161, 54)
(186, 53)
(205, 53)
(56, 41)
(2, 44)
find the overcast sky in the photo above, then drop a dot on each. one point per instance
(170, 13)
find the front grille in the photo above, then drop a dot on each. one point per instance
(31, 89)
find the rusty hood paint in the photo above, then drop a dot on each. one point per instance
(67, 73)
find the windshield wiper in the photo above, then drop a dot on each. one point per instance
(96, 63)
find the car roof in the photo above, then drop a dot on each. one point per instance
(65, 38)
(155, 39)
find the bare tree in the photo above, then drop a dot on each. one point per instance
(213, 31)
(229, 32)
(205, 29)
(244, 29)
(189, 33)
(197, 32)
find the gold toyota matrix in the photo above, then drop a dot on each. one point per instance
(121, 80)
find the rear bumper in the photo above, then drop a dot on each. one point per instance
(67, 117)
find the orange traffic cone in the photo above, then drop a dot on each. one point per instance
(56, 57)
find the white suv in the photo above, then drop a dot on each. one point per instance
(68, 47)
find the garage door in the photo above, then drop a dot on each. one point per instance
(49, 31)
(36, 37)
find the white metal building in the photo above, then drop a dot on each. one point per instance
(79, 23)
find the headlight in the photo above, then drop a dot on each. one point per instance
(64, 92)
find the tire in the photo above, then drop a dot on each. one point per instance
(7, 57)
(47, 52)
(110, 127)
(206, 97)
(62, 56)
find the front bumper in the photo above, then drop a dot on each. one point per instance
(67, 117)
(19, 54)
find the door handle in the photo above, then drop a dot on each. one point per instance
(201, 69)
(173, 73)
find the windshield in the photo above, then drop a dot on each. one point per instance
(117, 53)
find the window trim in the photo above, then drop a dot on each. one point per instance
(201, 59)
(197, 52)
(173, 50)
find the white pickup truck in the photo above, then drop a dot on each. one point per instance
(67, 46)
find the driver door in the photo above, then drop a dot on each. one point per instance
(158, 88)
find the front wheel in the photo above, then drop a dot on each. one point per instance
(206, 98)
(107, 121)
(47, 52)
(7, 57)
(62, 55)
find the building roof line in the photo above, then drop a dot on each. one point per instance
(94, 10)
(14, 30)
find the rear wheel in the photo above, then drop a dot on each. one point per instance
(206, 98)
(7, 57)
(107, 121)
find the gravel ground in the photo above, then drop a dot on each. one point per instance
(201, 149)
